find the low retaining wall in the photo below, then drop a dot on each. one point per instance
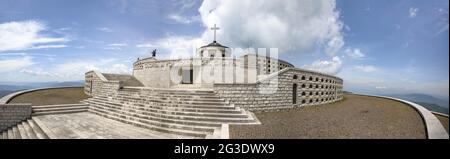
(434, 128)
(9, 97)
(12, 114)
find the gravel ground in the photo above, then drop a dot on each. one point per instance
(443, 120)
(353, 117)
(52, 96)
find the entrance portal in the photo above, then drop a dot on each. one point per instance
(187, 76)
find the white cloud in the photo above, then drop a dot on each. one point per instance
(22, 35)
(290, 26)
(112, 48)
(37, 72)
(75, 70)
(295, 26)
(115, 46)
(380, 87)
(48, 46)
(366, 68)
(182, 19)
(354, 53)
(175, 46)
(117, 68)
(442, 25)
(118, 44)
(184, 4)
(138, 7)
(15, 64)
(105, 29)
(413, 12)
(329, 67)
(146, 45)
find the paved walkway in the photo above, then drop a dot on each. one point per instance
(90, 126)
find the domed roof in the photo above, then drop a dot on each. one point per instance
(214, 44)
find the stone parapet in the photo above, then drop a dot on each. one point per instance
(12, 114)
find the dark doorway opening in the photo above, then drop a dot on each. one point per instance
(187, 76)
(294, 94)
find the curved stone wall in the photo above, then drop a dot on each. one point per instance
(290, 87)
(9, 97)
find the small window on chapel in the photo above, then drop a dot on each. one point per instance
(295, 76)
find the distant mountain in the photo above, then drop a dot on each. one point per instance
(433, 107)
(6, 88)
(13, 87)
(422, 98)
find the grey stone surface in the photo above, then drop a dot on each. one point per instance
(12, 114)
(90, 126)
(321, 89)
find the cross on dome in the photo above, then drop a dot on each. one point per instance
(214, 29)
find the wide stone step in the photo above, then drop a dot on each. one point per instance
(180, 121)
(162, 92)
(156, 94)
(183, 98)
(168, 97)
(5, 134)
(29, 130)
(143, 119)
(59, 112)
(181, 117)
(174, 100)
(164, 117)
(169, 111)
(58, 106)
(195, 99)
(169, 90)
(10, 134)
(162, 110)
(165, 104)
(123, 118)
(37, 130)
(16, 132)
(22, 132)
(175, 108)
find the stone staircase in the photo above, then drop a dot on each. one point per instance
(26, 130)
(59, 109)
(193, 113)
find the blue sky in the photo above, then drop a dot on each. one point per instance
(376, 46)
